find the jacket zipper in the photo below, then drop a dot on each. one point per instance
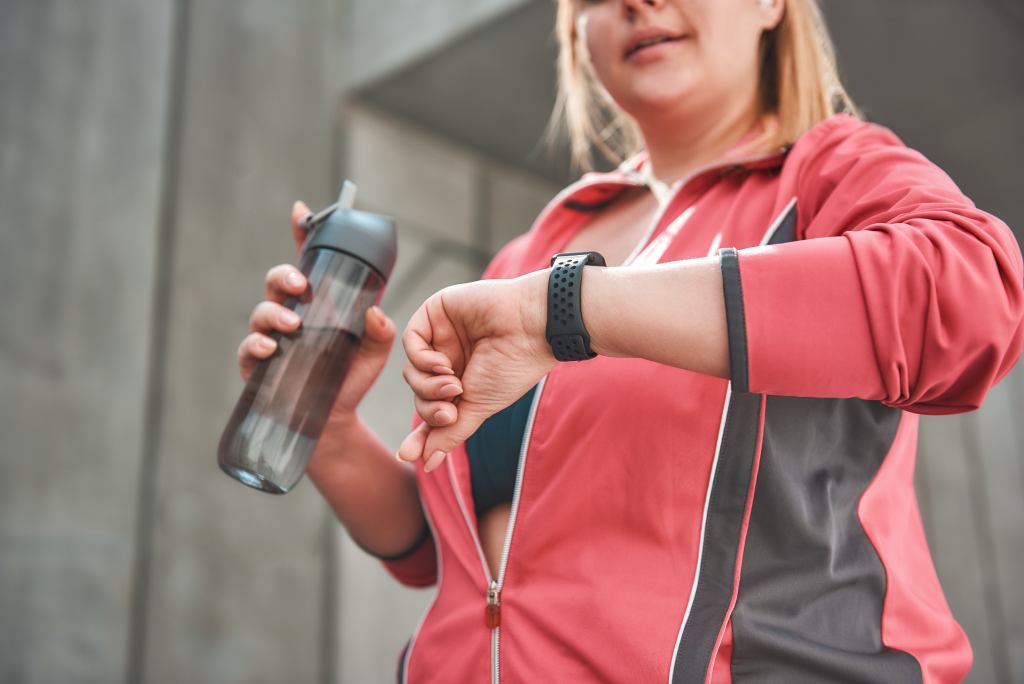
(494, 594)
(492, 607)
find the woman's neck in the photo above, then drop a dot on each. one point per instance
(676, 148)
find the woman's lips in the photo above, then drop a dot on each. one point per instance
(654, 51)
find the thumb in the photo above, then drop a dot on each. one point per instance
(380, 333)
(445, 439)
(369, 360)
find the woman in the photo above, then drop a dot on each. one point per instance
(722, 487)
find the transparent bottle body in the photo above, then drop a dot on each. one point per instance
(288, 398)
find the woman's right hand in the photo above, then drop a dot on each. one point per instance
(284, 281)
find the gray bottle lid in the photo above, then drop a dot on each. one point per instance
(369, 237)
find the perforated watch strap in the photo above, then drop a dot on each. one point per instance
(565, 332)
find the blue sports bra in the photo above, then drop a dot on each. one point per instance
(493, 452)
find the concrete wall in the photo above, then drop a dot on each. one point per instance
(83, 112)
(235, 580)
(945, 76)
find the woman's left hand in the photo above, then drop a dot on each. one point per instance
(489, 334)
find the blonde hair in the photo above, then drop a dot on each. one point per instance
(799, 83)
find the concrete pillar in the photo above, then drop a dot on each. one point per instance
(83, 101)
(237, 578)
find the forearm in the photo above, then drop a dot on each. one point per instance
(672, 313)
(373, 495)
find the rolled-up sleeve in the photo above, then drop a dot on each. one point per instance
(417, 565)
(898, 288)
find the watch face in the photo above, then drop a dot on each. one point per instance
(593, 258)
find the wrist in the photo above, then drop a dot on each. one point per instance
(341, 436)
(342, 423)
(533, 314)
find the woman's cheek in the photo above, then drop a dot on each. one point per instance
(603, 70)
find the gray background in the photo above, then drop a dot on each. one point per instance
(149, 155)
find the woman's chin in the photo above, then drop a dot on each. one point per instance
(654, 102)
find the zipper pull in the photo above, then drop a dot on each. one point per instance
(492, 616)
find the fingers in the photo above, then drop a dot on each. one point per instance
(439, 441)
(369, 361)
(412, 446)
(418, 340)
(434, 394)
(429, 387)
(269, 316)
(373, 351)
(433, 444)
(266, 317)
(436, 413)
(380, 329)
(284, 281)
(423, 357)
(254, 347)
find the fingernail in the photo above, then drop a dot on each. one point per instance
(266, 343)
(443, 370)
(289, 317)
(450, 390)
(434, 460)
(294, 279)
(398, 457)
(442, 416)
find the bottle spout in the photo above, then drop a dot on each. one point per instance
(346, 199)
(347, 196)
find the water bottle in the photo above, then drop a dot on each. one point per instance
(347, 257)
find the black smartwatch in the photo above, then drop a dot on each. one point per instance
(566, 333)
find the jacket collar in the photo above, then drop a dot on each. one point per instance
(596, 189)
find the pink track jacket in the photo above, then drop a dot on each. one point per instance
(669, 526)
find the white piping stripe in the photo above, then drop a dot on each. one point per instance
(703, 528)
(714, 244)
(469, 525)
(517, 489)
(653, 252)
(778, 221)
(714, 464)
(646, 236)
